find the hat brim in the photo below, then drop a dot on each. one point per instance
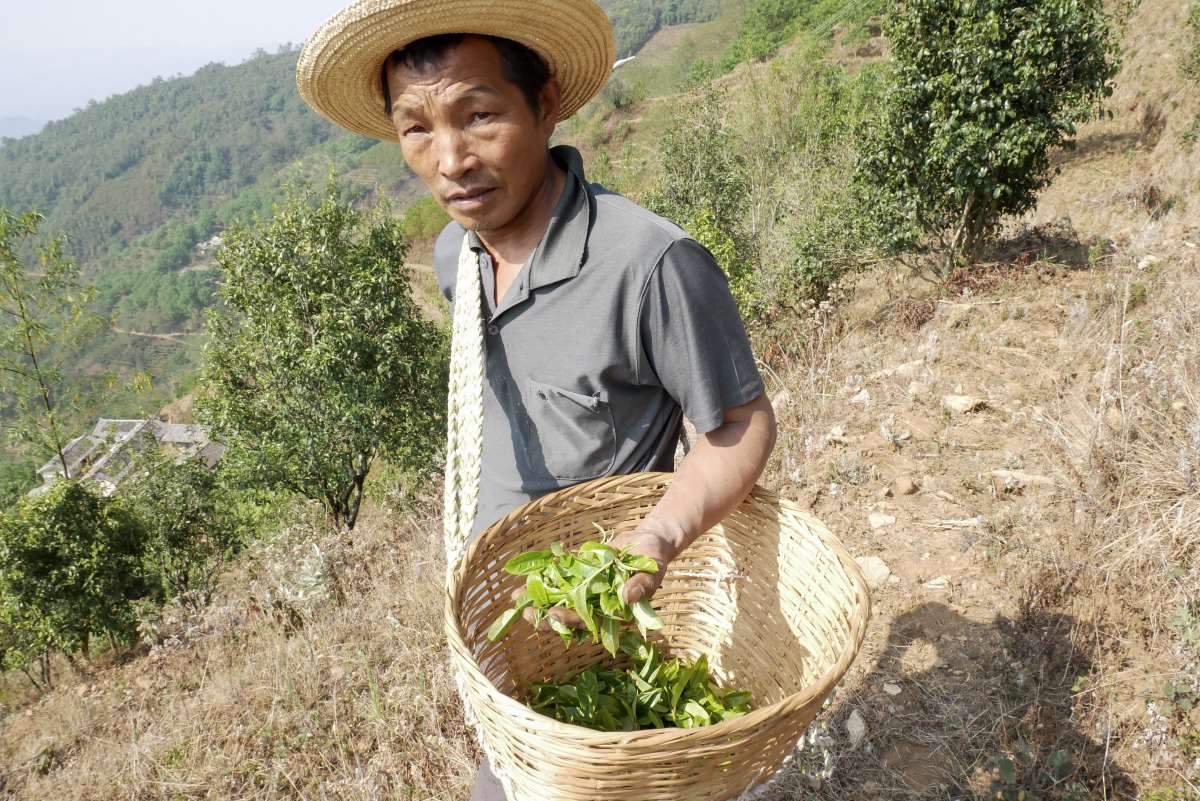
(338, 72)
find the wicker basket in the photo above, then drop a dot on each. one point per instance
(771, 597)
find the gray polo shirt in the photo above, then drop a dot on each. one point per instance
(617, 326)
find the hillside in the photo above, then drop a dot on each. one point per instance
(1014, 458)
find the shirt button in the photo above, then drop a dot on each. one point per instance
(493, 329)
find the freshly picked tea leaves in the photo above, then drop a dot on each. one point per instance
(652, 692)
(588, 581)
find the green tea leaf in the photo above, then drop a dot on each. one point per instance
(503, 624)
(645, 616)
(579, 600)
(644, 564)
(537, 590)
(608, 635)
(528, 562)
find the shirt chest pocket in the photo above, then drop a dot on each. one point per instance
(573, 434)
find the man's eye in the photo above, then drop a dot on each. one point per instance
(480, 116)
(413, 129)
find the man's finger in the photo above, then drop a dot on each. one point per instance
(567, 617)
(638, 587)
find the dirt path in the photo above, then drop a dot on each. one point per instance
(177, 337)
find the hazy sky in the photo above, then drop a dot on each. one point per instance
(55, 55)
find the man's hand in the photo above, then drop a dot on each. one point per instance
(652, 538)
(718, 473)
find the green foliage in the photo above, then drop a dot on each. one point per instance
(760, 179)
(590, 582)
(189, 528)
(123, 167)
(650, 693)
(424, 220)
(43, 314)
(800, 149)
(70, 567)
(983, 91)
(635, 21)
(768, 24)
(321, 360)
(619, 94)
(17, 477)
(703, 188)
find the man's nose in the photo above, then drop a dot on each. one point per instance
(454, 154)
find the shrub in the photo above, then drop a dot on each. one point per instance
(982, 91)
(800, 146)
(70, 568)
(188, 524)
(703, 188)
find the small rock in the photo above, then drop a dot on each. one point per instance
(892, 689)
(938, 583)
(962, 404)
(880, 520)
(904, 485)
(856, 728)
(875, 569)
(893, 579)
(1178, 406)
(862, 398)
(782, 400)
(916, 389)
(1147, 262)
(910, 369)
(836, 436)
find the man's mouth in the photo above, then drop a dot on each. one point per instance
(471, 198)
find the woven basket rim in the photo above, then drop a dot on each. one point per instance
(584, 736)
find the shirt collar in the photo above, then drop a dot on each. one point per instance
(561, 253)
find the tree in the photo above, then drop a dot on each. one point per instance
(322, 361)
(70, 568)
(43, 314)
(982, 92)
(188, 525)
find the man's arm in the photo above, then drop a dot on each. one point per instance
(711, 481)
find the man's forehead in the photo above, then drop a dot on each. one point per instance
(471, 67)
(452, 89)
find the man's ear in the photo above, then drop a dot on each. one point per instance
(550, 101)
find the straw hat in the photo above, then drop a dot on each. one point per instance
(339, 69)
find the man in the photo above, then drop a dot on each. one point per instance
(602, 325)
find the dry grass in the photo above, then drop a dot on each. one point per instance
(355, 702)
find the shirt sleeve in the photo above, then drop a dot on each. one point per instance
(692, 339)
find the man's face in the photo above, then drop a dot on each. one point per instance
(470, 134)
